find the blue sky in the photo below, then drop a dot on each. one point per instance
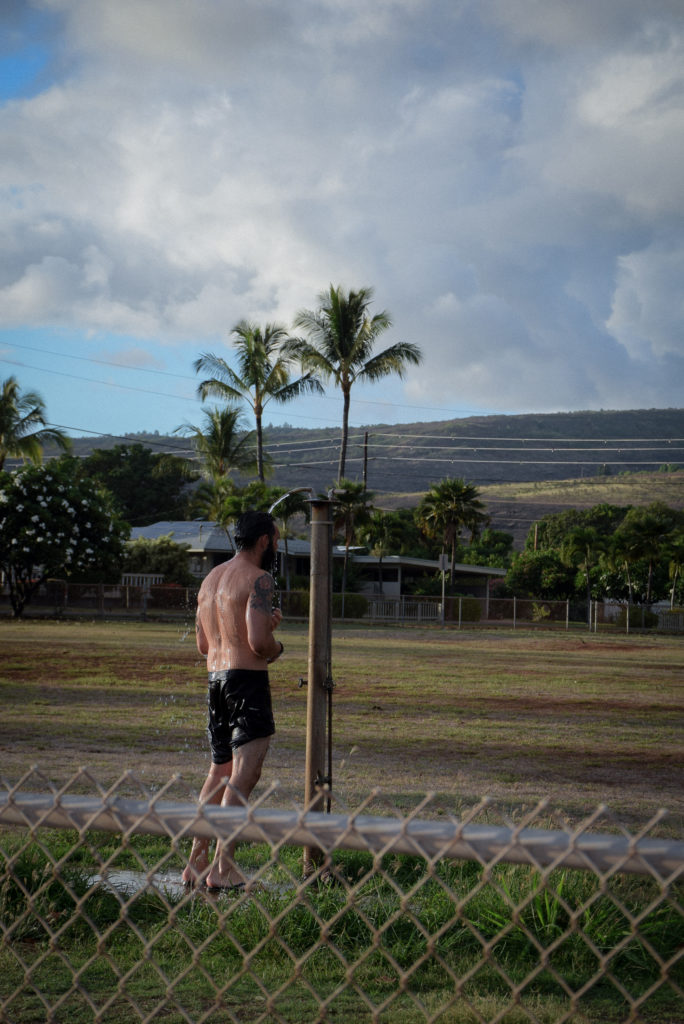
(506, 175)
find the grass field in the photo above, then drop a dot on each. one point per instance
(580, 720)
(518, 716)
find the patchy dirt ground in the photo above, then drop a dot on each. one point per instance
(574, 720)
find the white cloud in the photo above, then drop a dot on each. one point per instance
(512, 186)
(648, 304)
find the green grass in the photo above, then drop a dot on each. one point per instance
(397, 916)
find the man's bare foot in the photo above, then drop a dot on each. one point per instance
(229, 880)
(194, 873)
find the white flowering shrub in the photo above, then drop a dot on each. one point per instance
(52, 524)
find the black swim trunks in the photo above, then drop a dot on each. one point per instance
(239, 702)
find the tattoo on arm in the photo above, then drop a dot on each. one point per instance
(261, 599)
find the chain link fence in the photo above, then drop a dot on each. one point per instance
(406, 917)
(168, 601)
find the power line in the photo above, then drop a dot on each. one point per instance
(106, 383)
(129, 438)
(167, 373)
(100, 362)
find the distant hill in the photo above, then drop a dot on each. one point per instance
(482, 449)
(527, 452)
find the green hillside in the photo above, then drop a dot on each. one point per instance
(482, 449)
(526, 466)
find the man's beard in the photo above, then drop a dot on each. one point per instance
(268, 559)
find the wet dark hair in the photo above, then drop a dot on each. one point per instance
(250, 526)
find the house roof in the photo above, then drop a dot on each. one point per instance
(200, 535)
(427, 563)
(204, 536)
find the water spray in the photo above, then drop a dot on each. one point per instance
(295, 490)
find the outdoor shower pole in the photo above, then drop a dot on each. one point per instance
(318, 676)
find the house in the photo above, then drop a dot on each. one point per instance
(210, 545)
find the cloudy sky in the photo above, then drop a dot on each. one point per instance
(506, 175)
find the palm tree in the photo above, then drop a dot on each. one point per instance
(649, 529)
(582, 548)
(20, 414)
(209, 502)
(448, 508)
(675, 550)
(222, 443)
(224, 447)
(341, 338)
(291, 503)
(383, 533)
(350, 510)
(263, 374)
(619, 554)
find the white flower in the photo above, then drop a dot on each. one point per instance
(34, 519)
(20, 508)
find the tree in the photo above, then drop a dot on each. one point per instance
(222, 444)
(147, 486)
(582, 548)
(383, 533)
(649, 529)
(675, 552)
(350, 510)
(263, 374)
(52, 523)
(619, 556)
(539, 574)
(341, 336)
(291, 503)
(160, 555)
(23, 427)
(492, 547)
(448, 508)
(551, 530)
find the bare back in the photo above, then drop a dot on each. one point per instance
(235, 619)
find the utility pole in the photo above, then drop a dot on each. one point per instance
(365, 461)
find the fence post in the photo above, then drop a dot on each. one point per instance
(567, 615)
(514, 611)
(318, 678)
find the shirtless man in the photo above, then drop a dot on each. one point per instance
(235, 624)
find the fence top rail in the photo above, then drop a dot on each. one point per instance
(488, 844)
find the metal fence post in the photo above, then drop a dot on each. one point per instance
(318, 679)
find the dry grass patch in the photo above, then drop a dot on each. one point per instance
(579, 719)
